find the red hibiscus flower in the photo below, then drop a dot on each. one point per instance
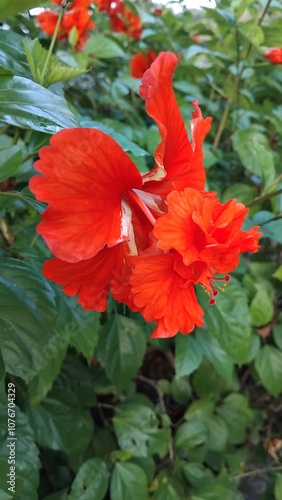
(140, 63)
(76, 16)
(158, 11)
(274, 55)
(103, 5)
(123, 20)
(146, 238)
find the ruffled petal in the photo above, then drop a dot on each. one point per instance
(91, 279)
(178, 164)
(47, 21)
(163, 295)
(85, 176)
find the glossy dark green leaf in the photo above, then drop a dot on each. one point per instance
(236, 414)
(10, 160)
(91, 481)
(261, 308)
(60, 423)
(128, 479)
(24, 335)
(27, 460)
(28, 105)
(166, 492)
(190, 434)
(121, 349)
(12, 54)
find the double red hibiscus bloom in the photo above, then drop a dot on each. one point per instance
(147, 238)
(75, 16)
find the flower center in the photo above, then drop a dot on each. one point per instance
(212, 290)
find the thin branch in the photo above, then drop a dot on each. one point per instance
(264, 197)
(257, 471)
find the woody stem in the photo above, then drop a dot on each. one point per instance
(45, 67)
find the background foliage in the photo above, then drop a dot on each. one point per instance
(103, 411)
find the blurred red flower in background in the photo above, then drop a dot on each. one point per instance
(123, 20)
(274, 55)
(141, 62)
(147, 238)
(103, 5)
(75, 16)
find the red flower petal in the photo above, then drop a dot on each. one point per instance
(47, 21)
(178, 164)
(91, 279)
(165, 296)
(140, 63)
(274, 55)
(86, 174)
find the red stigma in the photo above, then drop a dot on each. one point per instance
(227, 278)
(212, 301)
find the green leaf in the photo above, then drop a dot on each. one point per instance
(10, 160)
(79, 327)
(277, 332)
(268, 364)
(236, 414)
(24, 336)
(27, 461)
(255, 154)
(241, 192)
(12, 54)
(28, 105)
(278, 273)
(188, 354)
(29, 197)
(216, 355)
(158, 442)
(252, 32)
(103, 47)
(121, 349)
(91, 481)
(228, 320)
(8, 8)
(60, 423)
(133, 428)
(54, 72)
(261, 308)
(278, 487)
(197, 475)
(166, 492)
(217, 434)
(54, 355)
(272, 34)
(214, 492)
(180, 389)
(190, 434)
(128, 479)
(272, 230)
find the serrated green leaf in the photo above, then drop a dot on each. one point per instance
(272, 33)
(60, 423)
(28, 105)
(228, 319)
(79, 327)
(126, 480)
(27, 461)
(8, 9)
(133, 428)
(54, 72)
(261, 308)
(91, 481)
(121, 349)
(216, 355)
(24, 335)
(252, 32)
(10, 160)
(103, 47)
(188, 354)
(268, 364)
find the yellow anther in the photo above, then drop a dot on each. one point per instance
(223, 290)
(225, 284)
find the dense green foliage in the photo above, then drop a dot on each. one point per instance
(103, 411)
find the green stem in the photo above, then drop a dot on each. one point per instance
(63, 6)
(10, 195)
(264, 197)
(257, 471)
